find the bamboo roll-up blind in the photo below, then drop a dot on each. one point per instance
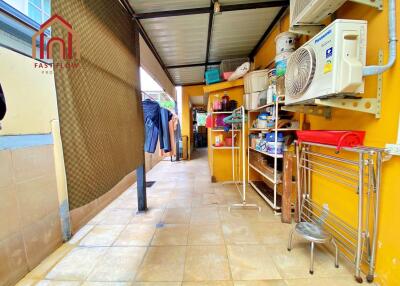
(99, 101)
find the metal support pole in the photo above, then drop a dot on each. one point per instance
(360, 216)
(370, 276)
(298, 146)
(141, 188)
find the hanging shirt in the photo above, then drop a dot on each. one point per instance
(151, 111)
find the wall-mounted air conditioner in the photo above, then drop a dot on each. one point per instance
(312, 12)
(330, 64)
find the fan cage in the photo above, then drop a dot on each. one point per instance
(300, 71)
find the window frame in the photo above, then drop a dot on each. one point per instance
(43, 14)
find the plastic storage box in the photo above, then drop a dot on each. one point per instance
(232, 64)
(256, 81)
(212, 76)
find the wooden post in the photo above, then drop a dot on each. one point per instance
(141, 188)
(287, 187)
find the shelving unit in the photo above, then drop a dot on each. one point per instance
(221, 112)
(222, 130)
(265, 153)
(269, 194)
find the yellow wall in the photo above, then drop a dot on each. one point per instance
(30, 96)
(187, 120)
(379, 132)
(220, 161)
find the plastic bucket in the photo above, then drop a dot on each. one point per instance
(285, 42)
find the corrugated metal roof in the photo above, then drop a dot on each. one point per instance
(179, 40)
(236, 33)
(146, 6)
(188, 75)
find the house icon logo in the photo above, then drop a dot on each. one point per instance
(67, 47)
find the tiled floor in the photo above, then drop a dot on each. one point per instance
(188, 237)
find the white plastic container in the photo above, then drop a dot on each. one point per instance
(256, 81)
(285, 42)
(251, 100)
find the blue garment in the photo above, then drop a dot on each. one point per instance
(151, 111)
(165, 138)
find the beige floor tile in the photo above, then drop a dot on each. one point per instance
(58, 283)
(156, 284)
(77, 265)
(210, 199)
(151, 216)
(179, 203)
(171, 234)
(205, 234)
(177, 216)
(239, 233)
(46, 265)
(248, 215)
(261, 283)
(88, 283)
(206, 263)
(252, 262)
(164, 264)
(334, 281)
(204, 215)
(296, 263)
(118, 264)
(136, 235)
(118, 217)
(102, 235)
(208, 283)
(272, 233)
(27, 282)
(77, 237)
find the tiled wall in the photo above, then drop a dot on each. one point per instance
(29, 217)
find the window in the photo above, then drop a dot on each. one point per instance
(39, 10)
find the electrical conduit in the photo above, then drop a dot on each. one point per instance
(373, 70)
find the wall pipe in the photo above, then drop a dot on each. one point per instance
(373, 70)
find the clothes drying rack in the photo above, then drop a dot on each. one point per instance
(238, 121)
(361, 175)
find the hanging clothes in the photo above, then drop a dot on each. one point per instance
(152, 114)
(165, 137)
(173, 132)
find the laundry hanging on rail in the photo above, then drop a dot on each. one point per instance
(151, 110)
(165, 137)
(157, 127)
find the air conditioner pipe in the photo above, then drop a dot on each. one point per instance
(373, 70)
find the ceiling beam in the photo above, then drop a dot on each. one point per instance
(209, 32)
(193, 83)
(192, 65)
(267, 32)
(128, 7)
(205, 10)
